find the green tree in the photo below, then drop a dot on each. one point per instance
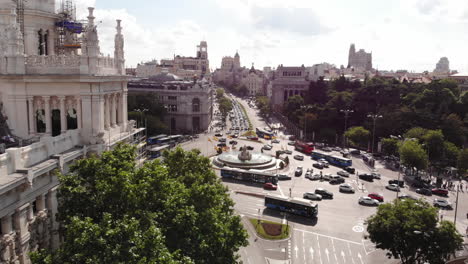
(390, 146)
(463, 162)
(175, 211)
(263, 103)
(415, 132)
(358, 136)
(225, 106)
(434, 143)
(454, 130)
(219, 93)
(409, 230)
(412, 155)
(451, 152)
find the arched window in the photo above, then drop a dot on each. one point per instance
(196, 105)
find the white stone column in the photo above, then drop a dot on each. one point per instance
(48, 115)
(51, 43)
(112, 109)
(124, 109)
(32, 119)
(63, 115)
(52, 207)
(40, 203)
(120, 110)
(78, 112)
(107, 112)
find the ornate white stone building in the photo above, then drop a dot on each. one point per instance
(287, 82)
(185, 67)
(59, 91)
(254, 81)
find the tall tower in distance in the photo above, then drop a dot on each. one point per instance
(202, 50)
(352, 52)
(237, 61)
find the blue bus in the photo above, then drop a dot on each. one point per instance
(155, 139)
(261, 133)
(156, 152)
(251, 176)
(293, 205)
(333, 160)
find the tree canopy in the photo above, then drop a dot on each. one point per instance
(358, 136)
(174, 211)
(409, 230)
(413, 155)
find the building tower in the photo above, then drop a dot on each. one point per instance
(202, 52)
(352, 52)
(236, 61)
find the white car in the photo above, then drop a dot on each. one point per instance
(393, 187)
(346, 187)
(376, 175)
(363, 200)
(267, 147)
(308, 174)
(327, 177)
(288, 151)
(343, 173)
(312, 196)
(442, 203)
(314, 177)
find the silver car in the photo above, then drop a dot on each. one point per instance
(312, 196)
(363, 200)
(343, 173)
(393, 187)
(346, 187)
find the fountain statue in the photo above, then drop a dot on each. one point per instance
(244, 154)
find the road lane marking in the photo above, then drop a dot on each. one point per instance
(319, 251)
(334, 250)
(281, 191)
(360, 257)
(311, 250)
(340, 239)
(343, 256)
(296, 249)
(303, 247)
(327, 253)
(350, 253)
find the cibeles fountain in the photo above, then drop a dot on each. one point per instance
(245, 159)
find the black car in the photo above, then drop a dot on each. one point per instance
(318, 165)
(218, 135)
(298, 171)
(337, 180)
(350, 169)
(283, 177)
(355, 152)
(366, 177)
(324, 193)
(221, 145)
(420, 184)
(250, 148)
(233, 142)
(397, 182)
(424, 191)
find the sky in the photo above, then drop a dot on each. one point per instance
(401, 34)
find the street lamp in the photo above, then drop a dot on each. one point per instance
(346, 113)
(374, 118)
(141, 111)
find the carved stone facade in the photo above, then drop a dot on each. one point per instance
(70, 104)
(360, 60)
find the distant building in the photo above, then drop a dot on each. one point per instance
(462, 79)
(230, 72)
(286, 82)
(326, 70)
(189, 103)
(254, 82)
(185, 67)
(360, 61)
(443, 66)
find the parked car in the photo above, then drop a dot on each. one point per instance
(441, 203)
(366, 177)
(267, 147)
(221, 145)
(218, 135)
(376, 175)
(327, 177)
(289, 152)
(233, 142)
(363, 200)
(393, 187)
(318, 165)
(376, 196)
(283, 177)
(406, 196)
(298, 171)
(343, 173)
(422, 185)
(440, 191)
(346, 187)
(325, 194)
(350, 169)
(424, 191)
(308, 174)
(313, 177)
(250, 148)
(312, 196)
(324, 162)
(275, 141)
(269, 186)
(299, 157)
(397, 182)
(235, 136)
(335, 179)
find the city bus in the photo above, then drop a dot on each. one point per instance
(156, 152)
(332, 159)
(304, 147)
(154, 140)
(251, 176)
(261, 133)
(293, 205)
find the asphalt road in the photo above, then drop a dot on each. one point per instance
(338, 235)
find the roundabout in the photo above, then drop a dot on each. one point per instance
(244, 159)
